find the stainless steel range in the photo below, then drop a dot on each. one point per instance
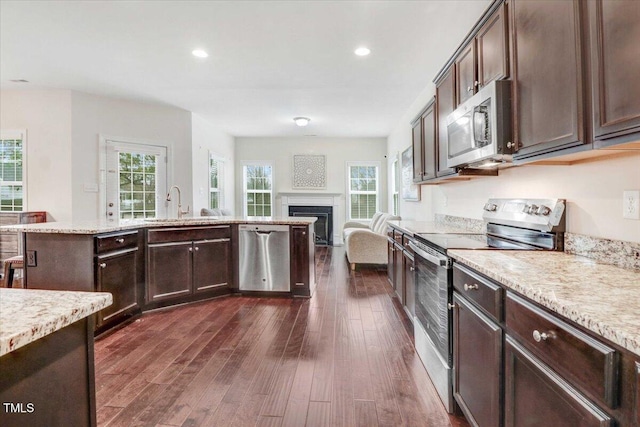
(512, 224)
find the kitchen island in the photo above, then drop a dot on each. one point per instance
(46, 357)
(148, 264)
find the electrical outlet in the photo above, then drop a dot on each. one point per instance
(631, 204)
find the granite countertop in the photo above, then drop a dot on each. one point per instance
(603, 298)
(27, 315)
(419, 227)
(95, 227)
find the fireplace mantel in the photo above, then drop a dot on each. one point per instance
(316, 199)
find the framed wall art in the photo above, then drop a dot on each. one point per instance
(410, 191)
(309, 172)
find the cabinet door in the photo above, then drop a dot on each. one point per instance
(409, 285)
(211, 264)
(614, 35)
(548, 76)
(300, 260)
(429, 142)
(390, 261)
(169, 271)
(536, 396)
(491, 43)
(477, 358)
(465, 66)
(417, 151)
(398, 272)
(117, 274)
(445, 104)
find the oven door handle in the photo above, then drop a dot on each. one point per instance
(441, 260)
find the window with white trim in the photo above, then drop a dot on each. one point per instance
(258, 189)
(395, 186)
(12, 173)
(362, 189)
(216, 172)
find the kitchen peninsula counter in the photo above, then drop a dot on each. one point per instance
(602, 298)
(46, 357)
(96, 227)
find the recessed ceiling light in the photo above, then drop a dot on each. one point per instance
(19, 81)
(199, 53)
(362, 51)
(301, 121)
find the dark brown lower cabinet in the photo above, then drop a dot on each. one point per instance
(169, 272)
(211, 264)
(117, 273)
(398, 271)
(409, 284)
(477, 356)
(390, 262)
(537, 396)
(302, 255)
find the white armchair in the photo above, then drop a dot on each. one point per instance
(367, 244)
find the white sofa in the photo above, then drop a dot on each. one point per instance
(367, 243)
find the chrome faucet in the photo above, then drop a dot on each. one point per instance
(180, 211)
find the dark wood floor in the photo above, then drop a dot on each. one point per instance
(341, 358)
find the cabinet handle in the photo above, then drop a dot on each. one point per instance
(451, 306)
(103, 265)
(470, 287)
(469, 89)
(542, 336)
(197, 248)
(120, 240)
(304, 233)
(190, 249)
(510, 144)
(477, 84)
(412, 269)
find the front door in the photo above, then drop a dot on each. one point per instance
(136, 181)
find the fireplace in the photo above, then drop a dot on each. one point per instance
(323, 226)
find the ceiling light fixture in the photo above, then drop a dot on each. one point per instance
(199, 53)
(301, 121)
(362, 51)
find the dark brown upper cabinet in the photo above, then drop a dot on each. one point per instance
(424, 144)
(484, 58)
(465, 70)
(614, 32)
(445, 104)
(548, 74)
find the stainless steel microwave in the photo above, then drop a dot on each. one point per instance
(479, 130)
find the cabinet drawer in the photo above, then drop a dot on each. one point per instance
(405, 242)
(111, 242)
(166, 235)
(486, 295)
(583, 360)
(397, 236)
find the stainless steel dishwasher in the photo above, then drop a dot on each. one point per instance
(264, 257)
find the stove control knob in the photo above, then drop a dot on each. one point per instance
(543, 210)
(490, 207)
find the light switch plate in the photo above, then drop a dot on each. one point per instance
(631, 204)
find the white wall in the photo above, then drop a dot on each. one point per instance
(93, 116)
(593, 191)
(338, 151)
(46, 115)
(206, 138)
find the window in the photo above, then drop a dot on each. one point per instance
(12, 188)
(395, 187)
(258, 186)
(216, 171)
(137, 175)
(362, 189)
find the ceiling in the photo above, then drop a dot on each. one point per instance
(269, 61)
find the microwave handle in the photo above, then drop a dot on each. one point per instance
(479, 123)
